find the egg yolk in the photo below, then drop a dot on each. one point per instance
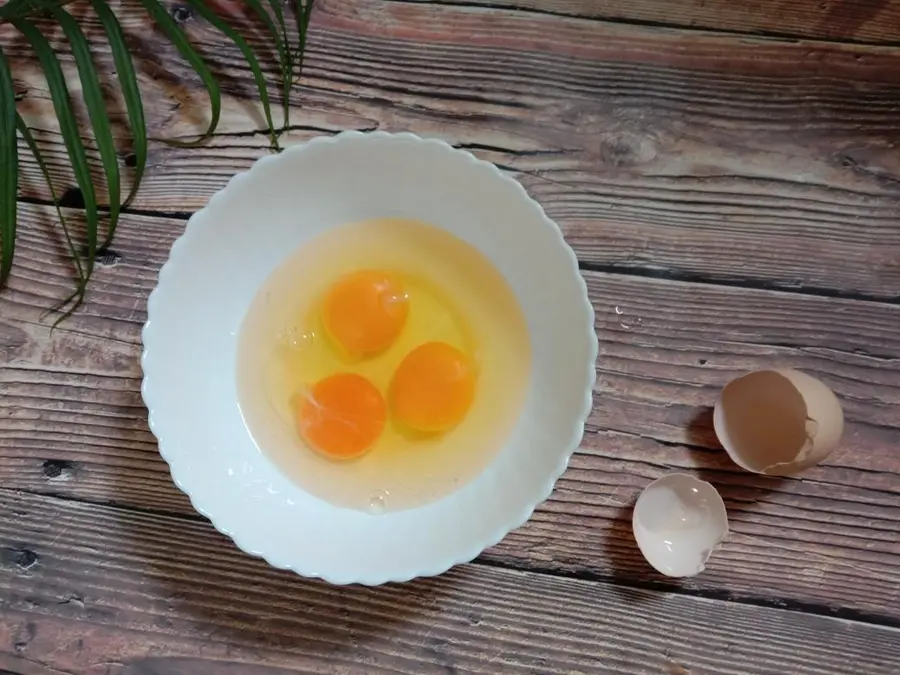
(364, 312)
(432, 388)
(341, 416)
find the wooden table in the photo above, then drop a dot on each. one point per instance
(729, 176)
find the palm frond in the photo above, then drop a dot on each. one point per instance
(131, 93)
(22, 14)
(280, 35)
(9, 177)
(26, 134)
(21, 9)
(59, 94)
(182, 44)
(96, 107)
(284, 50)
(77, 296)
(204, 11)
(302, 13)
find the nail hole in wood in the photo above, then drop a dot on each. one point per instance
(107, 258)
(58, 469)
(22, 558)
(72, 198)
(182, 13)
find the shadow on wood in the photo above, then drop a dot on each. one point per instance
(627, 562)
(338, 617)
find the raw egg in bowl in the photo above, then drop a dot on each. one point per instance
(369, 358)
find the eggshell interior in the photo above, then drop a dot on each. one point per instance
(778, 422)
(677, 522)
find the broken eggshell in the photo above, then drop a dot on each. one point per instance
(677, 522)
(778, 422)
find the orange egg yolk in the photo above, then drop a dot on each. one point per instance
(432, 388)
(341, 416)
(364, 312)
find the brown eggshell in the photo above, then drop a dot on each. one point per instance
(778, 422)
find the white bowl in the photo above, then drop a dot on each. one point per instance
(230, 248)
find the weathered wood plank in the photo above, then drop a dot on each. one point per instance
(694, 156)
(93, 589)
(72, 422)
(876, 21)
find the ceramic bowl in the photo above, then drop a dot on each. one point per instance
(230, 248)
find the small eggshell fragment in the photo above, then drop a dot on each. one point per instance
(778, 422)
(678, 520)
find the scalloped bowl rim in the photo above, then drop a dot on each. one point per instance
(187, 478)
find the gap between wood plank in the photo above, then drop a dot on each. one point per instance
(720, 595)
(284, 129)
(733, 282)
(624, 270)
(773, 36)
(175, 215)
(693, 447)
(674, 587)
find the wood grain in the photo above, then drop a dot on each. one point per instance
(876, 21)
(72, 423)
(735, 204)
(92, 589)
(693, 156)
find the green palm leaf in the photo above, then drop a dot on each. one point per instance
(287, 60)
(21, 14)
(131, 93)
(302, 13)
(26, 134)
(96, 106)
(78, 294)
(204, 11)
(20, 9)
(9, 175)
(281, 46)
(179, 39)
(59, 93)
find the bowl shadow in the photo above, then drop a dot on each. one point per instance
(198, 582)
